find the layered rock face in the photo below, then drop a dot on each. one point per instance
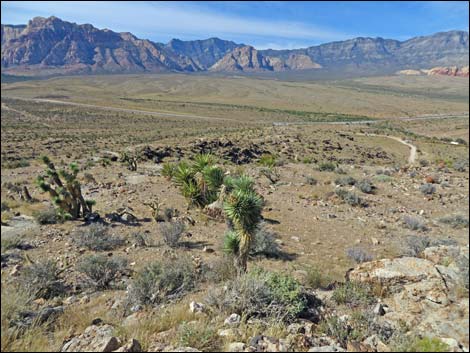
(53, 44)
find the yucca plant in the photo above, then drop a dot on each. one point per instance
(168, 170)
(243, 209)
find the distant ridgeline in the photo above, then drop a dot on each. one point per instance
(51, 46)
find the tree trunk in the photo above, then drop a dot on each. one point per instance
(244, 250)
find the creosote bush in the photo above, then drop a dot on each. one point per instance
(96, 237)
(161, 282)
(101, 270)
(457, 221)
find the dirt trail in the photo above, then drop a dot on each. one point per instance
(413, 148)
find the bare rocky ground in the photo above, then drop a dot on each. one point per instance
(380, 270)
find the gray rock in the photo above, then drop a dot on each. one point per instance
(327, 349)
(236, 347)
(232, 320)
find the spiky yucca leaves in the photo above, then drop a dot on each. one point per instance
(199, 181)
(231, 243)
(243, 208)
(64, 190)
(168, 170)
(243, 182)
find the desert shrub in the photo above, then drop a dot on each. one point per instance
(160, 282)
(172, 232)
(423, 162)
(260, 293)
(326, 167)
(416, 344)
(414, 245)
(271, 174)
(101, 270)
(414, 223)
(168, 170)
(5, 207)
(357, 327)
(311, 180)
(267, 160)
(350, 198)
(220, 270)
(461, 165)
(345, 181)
(21, 163)
(264, 243)
(359, 255)
(14, 241)
(49, 216)
(315, 278)
(457, 221)
(41, 280)
(427, 189)
(461, 141)
(366, 186)
(339, 170)
(353, 294)
(382, 178)
(202, 337)
(169, 213)
(96, 237)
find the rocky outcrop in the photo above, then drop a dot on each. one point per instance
(100, 338)
(448, 71)
(424, 292)
(50, 43)
(245, 59)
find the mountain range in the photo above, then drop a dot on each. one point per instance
(53, 46)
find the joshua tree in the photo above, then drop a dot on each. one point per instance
(65, 190)
(131, 161)
(243, 208)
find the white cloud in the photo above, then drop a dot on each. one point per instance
(153, 18)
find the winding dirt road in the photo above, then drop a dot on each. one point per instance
(413, 148)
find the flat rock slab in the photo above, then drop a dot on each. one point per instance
(18, 225)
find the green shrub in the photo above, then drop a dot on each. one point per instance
(202, 337)
(267, 160)
(49, 216)
(160, 282)
(101, 270)
(168, 170)
(345, 181)
(327, 167)
(353, 294)
(366, 186)
(260, 293)
(315, 278)
(416, 344)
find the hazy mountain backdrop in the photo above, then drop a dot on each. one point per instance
(52, 46)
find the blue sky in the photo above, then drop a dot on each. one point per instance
(263, 24)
